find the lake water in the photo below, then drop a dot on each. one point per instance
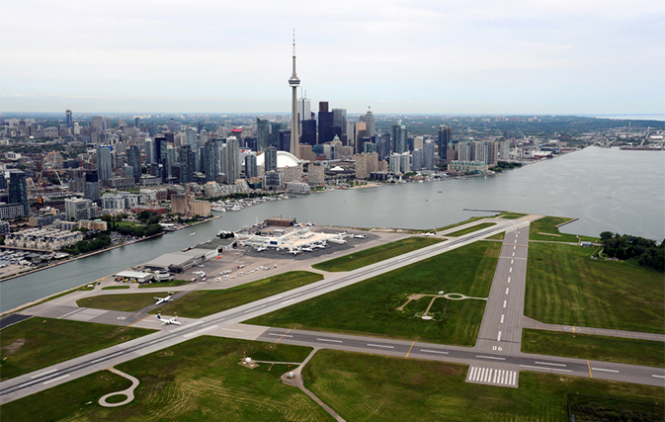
(607, 189)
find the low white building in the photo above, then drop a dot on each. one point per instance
(45, 239)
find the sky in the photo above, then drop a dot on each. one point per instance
(412, 57)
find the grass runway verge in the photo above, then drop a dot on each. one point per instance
(592, 347)
(360, 259)
(370, 307)
(471, 229)
(198, 380)
(120, 302)
(41, 342)
(564, 286)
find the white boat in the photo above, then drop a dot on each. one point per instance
(218, 209)
(236, 207)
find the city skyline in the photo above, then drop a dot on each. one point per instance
(476, 58)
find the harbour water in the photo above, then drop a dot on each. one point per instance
(607, 189)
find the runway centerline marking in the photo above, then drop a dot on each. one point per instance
(658, 376)
(380, 345)
(489, 357)
(44, 373)
(605, 370)
(499, 338)
(502, 315)
(511, 270)
(504, 303)
(508, 279)
(330, 340)
(553, 364)
(55, 379)
(507, 289)
(436, 351)
(551, 369)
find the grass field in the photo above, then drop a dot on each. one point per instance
(461, 223)
(546, 229)
(121, 287)
(40, 342)
(511, 215)
(199, 380)
(124, 302)
(369, 307)
(361, 259)
(383, 389)
(471, 229)
(583, 346)
(200, 303)
(164, 284)
(498, 236)
(564, 286)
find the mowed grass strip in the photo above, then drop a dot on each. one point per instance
(471, 229)
(461, 223)
(200, 303)
(384, 389)
(592, 347)
(511, 215)
(199, 380)
(115, 287)
(546, 229)
(376, 254)
(40, 342)
(130, 302)
(164, 284)
(370, 307)
(565, 287)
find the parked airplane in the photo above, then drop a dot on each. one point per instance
(307, 250)
(161, 300)
(168, 321)
(430, 234)
(294, 251)
(359, 236)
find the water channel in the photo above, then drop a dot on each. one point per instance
(607, 189)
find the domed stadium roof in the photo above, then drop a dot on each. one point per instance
(284, 159)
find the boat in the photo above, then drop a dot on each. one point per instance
(192, 234)
(218, 209)
(236, 207)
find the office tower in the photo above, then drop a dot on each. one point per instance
(428, 155)
(91, 186)
(190, 137)
(275, 127)
(361, 141)
(492, 153)
(149, 148)
(232, 160)
(369, 147)
(134, 160)
(304, 109)
(326, 123)
(383, 146)
(211, 160)
(171, 159)
(160, 149)
(157, 170)
(339, 120)
(294, 83)
(187, 163)
(18, 190)
(270, 159)
(104, 163)
(262, 134)
(97, 124)
(369, 122)
(285, 140)
(201, 158)
(250, 166)
(399, 138)
(68, 119)
(445, 136)
(137, 122)
(360, 131)
(308, 136)
(417, 160)
(199, 127)
(418, 142)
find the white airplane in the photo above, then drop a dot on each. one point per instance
(161, 300)
(307, 250)
(168, 321)
(430, 234)
(359, 236)
(295, 252)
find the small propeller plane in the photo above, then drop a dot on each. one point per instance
(161, 300)
(168, 321)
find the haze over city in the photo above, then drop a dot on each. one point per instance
(397, 57)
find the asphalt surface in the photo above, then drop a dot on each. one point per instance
(486, 365)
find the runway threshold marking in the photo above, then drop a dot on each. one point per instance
(283, 335)
(587, 364)
(407, 353)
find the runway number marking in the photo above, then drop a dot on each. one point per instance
(497, 348)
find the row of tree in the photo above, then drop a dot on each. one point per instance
(84, 246)
(645, 252)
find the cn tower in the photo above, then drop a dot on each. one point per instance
(294, 83)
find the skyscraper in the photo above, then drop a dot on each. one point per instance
(104, 163)
(339, 119)
(304, 106)
(18, 190)
(428, 155)
(186, 164)
(308, 132)
(399, 138)
(326, 123)
(371, 125)
(250, 166)
(68, 119)
(149, 147)
(232, 167)
(445, 136)
(270, 159)
(294, 83)
(134, 160)
(417, 160)
(211, 163)
(262, 134)
(91, 187)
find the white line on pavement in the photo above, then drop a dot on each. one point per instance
(275, 298)
(232, 329)
(507, 288)
(551, 369)
(202, 330)
(433, 351)
(287, 301)
(281, 335)
(504, 303)
(512, 261)
(332, 341)
(489, 357)
(513, 253)
(44, 373)
(553, 364)
(55, 379)
(658, 376)
(502, 315)
(508, 279)
(381, 345)
(511, 270)
(499, 338)
(186, 326)
(605, 370)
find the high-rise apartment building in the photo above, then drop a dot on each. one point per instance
(104, 163)
(18, 190)
(134, 160)
(399, 138)
(417, 160)
(232, 160)
(270, 159)
(492, 153)
(262, 134)
(91, 186)
(428, 155)
(149, 148)
(187, 164)
(250, 166)
(190, 137)
(98, 124)
(211, 160)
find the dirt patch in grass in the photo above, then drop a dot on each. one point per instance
(15, 346)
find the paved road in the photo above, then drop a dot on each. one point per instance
(487, 366)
